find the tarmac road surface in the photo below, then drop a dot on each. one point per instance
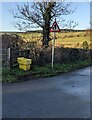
(62, 96)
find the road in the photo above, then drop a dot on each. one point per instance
(62, 96)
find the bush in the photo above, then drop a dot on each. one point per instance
(74, 55)
(62, 55)
(85, 45)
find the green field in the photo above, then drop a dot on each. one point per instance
(72, 40)
(69, 39)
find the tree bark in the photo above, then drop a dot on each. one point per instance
(46, 31)
(46, 39)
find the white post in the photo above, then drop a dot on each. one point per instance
(9, 55)
(53, 43)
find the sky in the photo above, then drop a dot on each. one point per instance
(81, 15)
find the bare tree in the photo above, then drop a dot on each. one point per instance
(41, 14)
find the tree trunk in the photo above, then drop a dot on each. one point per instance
(46, 34)
(46, 27)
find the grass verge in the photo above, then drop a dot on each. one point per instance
(18, 75)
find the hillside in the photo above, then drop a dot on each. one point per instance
(63, 39)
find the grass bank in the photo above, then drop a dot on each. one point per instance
(18, 75)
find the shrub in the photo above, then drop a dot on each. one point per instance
(85, 45)
(62, 55)
(74, 55)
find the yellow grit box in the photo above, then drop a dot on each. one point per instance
(22, 60)
(19, 59)
(24, 67)
(24, 63)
